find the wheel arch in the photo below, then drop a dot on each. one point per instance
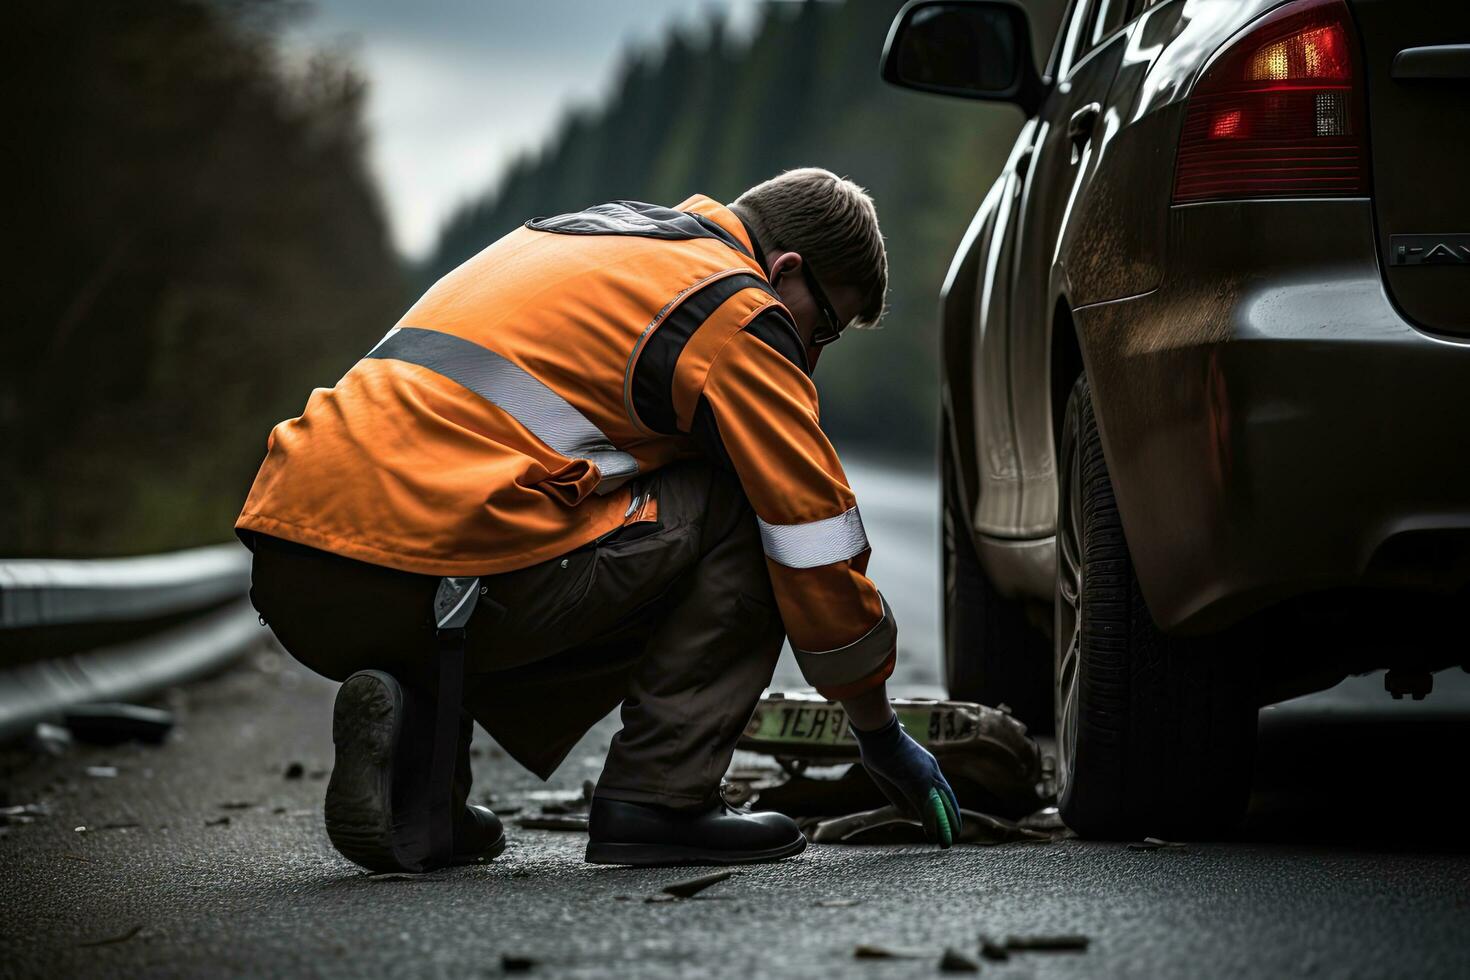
(1066, 364)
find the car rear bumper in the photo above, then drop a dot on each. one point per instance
(1272, 425)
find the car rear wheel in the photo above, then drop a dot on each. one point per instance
(992, 652)
(1155, 734)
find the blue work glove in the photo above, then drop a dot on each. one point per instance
(909, 776)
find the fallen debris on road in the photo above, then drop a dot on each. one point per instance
(548, 821)
(953, 961)
(50, 739)
(693, 886)
(868, 951)
(1047, 944)
(993, 950)
(112, 723)
(23, 814)
(1153, 844)
(992, 763)
(112, 940)
(294, 771)
(886, 825)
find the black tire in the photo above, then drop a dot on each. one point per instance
(992, 652)
(1155, 734)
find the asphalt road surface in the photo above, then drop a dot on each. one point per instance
(201, 858)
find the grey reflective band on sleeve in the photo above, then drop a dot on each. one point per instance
(830, 668)
(548, 416)
(815, 543)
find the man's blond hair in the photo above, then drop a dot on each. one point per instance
(831, 223)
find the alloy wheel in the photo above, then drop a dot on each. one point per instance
(1068, 605)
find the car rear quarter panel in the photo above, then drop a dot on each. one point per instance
(1274, 426)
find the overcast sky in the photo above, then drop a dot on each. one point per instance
(460, 87)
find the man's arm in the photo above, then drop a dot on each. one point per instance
(759, 414)
(758, 411)
(870, 710)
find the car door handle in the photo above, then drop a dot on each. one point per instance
(1444, 62)
(1082, 123)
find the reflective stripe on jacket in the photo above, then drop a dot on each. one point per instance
(497, 424)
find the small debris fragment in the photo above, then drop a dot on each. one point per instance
(510, 963)
(236, 805)
(866, 951)
(23, 814)
(111, 940)
(50, 739)
(838, 903)
(278, 810)
(953, 961)
(657, 899)
(693, 886)
(218, 822)
(575, 821)
(81, 830)
(1047, 818)
(992, 950)
(114, 723)
(294, 771)
(1152, 844)
(1047, 944)
(102, 772)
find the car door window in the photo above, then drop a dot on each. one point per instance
(1074, 48)
(1108, 16)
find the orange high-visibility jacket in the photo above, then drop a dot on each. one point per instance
(498, 423)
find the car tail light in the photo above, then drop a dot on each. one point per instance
(1278, 112)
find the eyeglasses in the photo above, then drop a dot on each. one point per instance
(832, 329)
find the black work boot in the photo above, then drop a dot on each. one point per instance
(478, 833)
(644, 834)
(377, 811)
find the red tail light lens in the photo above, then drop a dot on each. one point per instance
(1278, 112)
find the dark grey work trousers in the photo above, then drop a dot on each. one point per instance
(674, 618)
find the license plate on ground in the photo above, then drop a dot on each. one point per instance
(811, 725)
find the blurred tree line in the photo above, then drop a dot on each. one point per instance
(704, 114)
(193, 245)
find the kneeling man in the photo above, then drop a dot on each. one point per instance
(584, 470)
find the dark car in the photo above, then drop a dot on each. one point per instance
(1206, 383)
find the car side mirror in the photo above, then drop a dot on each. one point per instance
(974, 49)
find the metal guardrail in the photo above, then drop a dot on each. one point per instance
(44, 593)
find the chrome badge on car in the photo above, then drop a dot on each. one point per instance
(1429, 249)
